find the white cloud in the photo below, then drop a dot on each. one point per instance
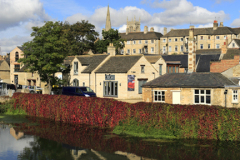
(205, 25)
(122, 28)
(220, 1)
(15, 12)
(236, 22)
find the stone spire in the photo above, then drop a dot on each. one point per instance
(108, 21)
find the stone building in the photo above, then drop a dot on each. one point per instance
(176, 40)
(133, 26)
(192, 89)
(108, 21)
(4, 71)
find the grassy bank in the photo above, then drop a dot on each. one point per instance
(7, 108)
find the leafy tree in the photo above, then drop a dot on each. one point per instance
(81, 36)
(110, 36)
(46, 52)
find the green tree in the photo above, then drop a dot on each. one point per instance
(46, 52)
(81, 36)
(111, 36)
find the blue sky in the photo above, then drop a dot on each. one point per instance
(18, 16)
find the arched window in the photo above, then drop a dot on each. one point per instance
(16, 56)
(75, 82)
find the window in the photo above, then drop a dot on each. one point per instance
(146, 41)
(83, 84)
(202, 96)
(164, 40)
(140, 42)
(201, 46)
(140, 51)
(234, 96)
(134, 42)
(164, 49)
(175, 39)
(233, 44)
(16, 56)
(181, 39)
(76, 82)
(209, 46)
(172, 68)
(170, 40)
(122, 51)
(159, 96)
(152, 41)
(146, 50)
(181, 48)
(128, 51)
(140, 83)
(201, 37)
(160, 69)
(16, 79)
(170, 49)
(225, 37)
(176, 49)
(134, 50)
(152, 49)
(110, 88)
(217, 37)
(128, 42)
(16, 68)
(209, 37)
(142, 68)
(217, 46)
(75, 67)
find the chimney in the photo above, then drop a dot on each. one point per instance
(221, 24)
(191, 51)
(145, 29)
(165, 31)
(127, 30)
(215, 25)
(151, 29)
(111, 50)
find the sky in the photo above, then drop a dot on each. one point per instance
(17, 17)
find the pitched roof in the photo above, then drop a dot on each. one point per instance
(237, 41)
(208, 51)
(141, 35)
(20, 47)
(231, 52)
(201, 31)
(119, 64)
(152, 58)
(193, 80)
(94, 62)
(183, 58)
(68, 60)
(204, 62)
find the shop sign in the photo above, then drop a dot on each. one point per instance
(109, 77)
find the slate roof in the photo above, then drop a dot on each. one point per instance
(208, 51)
(183, 58)
(68, 60)
(94, 62)
(193, 80)
(202, 31)
(141, 35)
(237, 41)
(152, 58)
(20, 47)
(119, 64)
(231, 52)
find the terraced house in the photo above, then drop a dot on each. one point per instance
(176, 41)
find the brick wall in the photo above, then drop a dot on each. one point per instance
(223, 65)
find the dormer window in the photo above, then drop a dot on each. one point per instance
(16, 56)
(142, 68)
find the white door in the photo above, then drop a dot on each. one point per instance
(176, 97)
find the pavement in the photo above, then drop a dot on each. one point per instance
(131, 100)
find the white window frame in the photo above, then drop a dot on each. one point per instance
(140, 50)
(176, 48)
(217, 46)
(201, 46)
(128, 50)
(142, 68)
(134, 42)
(217, 37)
(181, 48)
(176, 39)
(152, 49)
(161, 93)
(134, 50)
(75, 68)
(202, 94)
(164, 49)
(152, 41)
(225, 37)
(140, 42)
(169, 40)
(181, 39)
(234, 96)
(128, 42)
(164, 40)
(146, 41)
(170, 49)
(209, 46)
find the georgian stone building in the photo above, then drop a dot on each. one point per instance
(176, 41)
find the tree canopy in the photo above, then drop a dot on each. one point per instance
(111, 36)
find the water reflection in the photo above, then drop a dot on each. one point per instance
(58, 141)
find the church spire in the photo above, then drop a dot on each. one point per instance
(108, 21)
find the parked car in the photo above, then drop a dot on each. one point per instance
(34, 89)
(78, 91)
(11, 86)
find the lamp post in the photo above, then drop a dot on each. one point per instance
(225, 92)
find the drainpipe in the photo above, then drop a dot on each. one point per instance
(152, 95)
(95, 83)
(225, 92)
(89, 81)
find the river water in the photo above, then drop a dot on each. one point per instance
(41, 139)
